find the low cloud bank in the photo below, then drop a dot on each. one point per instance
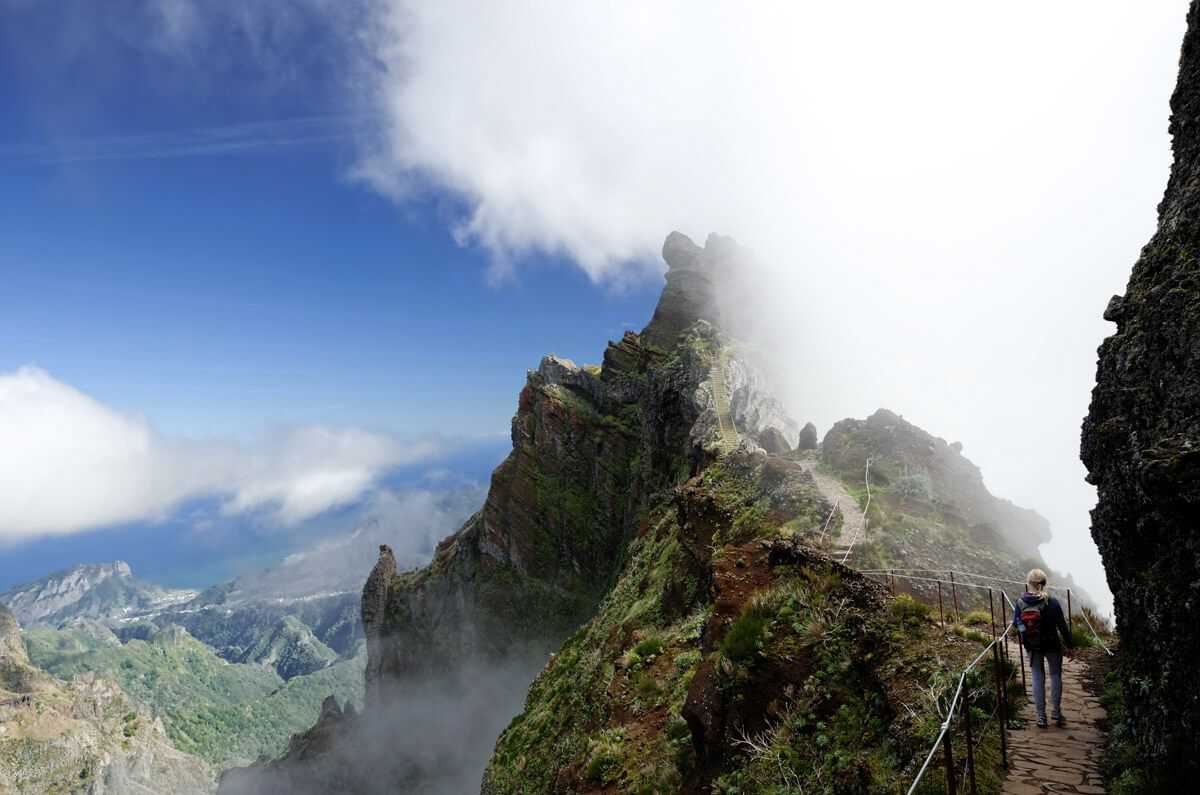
(70, 463)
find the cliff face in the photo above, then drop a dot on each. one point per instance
(591, 447)
(1141, 445)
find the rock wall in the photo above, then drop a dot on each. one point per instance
(1141, 446)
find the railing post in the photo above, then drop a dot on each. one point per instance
(1004, 609)
(951, 784)
(1002, 694)
(1070, 620)
(954, 591)
(992, 613)
(941, 613)
(970, 743)
(1021, 651)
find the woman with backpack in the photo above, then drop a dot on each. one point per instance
(1039, 618)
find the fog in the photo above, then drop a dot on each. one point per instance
(944, 195)
(435, 739)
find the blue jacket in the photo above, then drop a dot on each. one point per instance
(1054, 623)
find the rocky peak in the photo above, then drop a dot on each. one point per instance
(92, 590)
(688, 295)
(374, 602)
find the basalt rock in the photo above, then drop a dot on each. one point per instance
(1141, 446)
(591, 446)
(808, 437)
(773, 441)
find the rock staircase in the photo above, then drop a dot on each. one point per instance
(729, 435)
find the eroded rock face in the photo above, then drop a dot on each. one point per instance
(591, 445)
(1141, 445)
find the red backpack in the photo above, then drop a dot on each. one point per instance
(1031, 622)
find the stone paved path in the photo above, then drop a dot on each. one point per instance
(1053, 759)
(853, 518)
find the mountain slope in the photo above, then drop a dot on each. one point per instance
(774, 669)
(225, 713)
(930, 508)
(628, 508)
(85, 735)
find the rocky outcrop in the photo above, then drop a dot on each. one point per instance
(688, 294)
(808, 437)
(1141, 446)
(773, 441)
(591, 447)
(12, 648)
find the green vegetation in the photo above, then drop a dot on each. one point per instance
(978, 618)
(823, 688)
(971, 634)
(222, 712)
(913, 615)
(1122, 770)
(745, 637)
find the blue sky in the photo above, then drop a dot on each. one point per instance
(216, 294)
(241, 222)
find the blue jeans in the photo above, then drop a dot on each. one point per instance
(1054, 659)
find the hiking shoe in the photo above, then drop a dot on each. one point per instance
(1041, 724)
(1060, 722)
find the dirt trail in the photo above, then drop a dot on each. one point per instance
(853, 519)
(1059, 760)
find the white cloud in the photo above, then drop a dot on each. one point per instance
(945, 195)
(70, 463)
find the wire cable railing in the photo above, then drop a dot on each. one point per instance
(862, 531)
(998, 647)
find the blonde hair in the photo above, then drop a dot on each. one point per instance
(1035, 580)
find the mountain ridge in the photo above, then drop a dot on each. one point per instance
(602, 456)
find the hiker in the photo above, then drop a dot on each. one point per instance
(1039, 618)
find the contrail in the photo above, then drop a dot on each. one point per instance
(257, 136)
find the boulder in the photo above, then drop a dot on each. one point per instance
(808, 437)
(773, 441)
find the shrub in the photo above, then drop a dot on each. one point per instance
(649, 647)
(606, 757)
(1081, 637)
(977, 618)
(646, 686)
(970, 634)
(915, 486)
(745, 635)
(909, 611)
